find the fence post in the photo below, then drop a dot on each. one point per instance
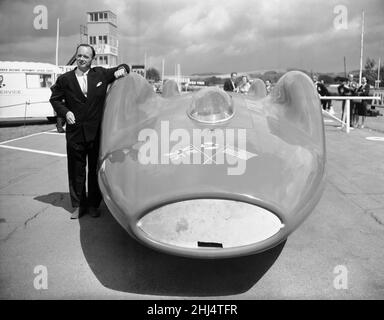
(348, 108)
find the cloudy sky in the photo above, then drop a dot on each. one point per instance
(206, 35)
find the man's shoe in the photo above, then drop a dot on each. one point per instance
(94, 212)
(79, 211)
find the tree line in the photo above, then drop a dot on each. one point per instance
(370, 72)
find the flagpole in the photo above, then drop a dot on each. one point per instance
(162, 70)
(57, 41)
(361, 49)
(345, 68)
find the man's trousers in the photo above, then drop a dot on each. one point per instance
(78, 154)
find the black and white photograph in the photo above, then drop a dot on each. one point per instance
(200, 150)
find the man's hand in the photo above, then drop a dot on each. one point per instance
(120, 73)
(70, 117)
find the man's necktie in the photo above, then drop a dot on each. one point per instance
(84, 86)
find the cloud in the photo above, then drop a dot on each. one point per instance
(204, 35)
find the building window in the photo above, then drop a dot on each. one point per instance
(103, 39)
(101, 60)
(35, 81)
(105, 16)
(92, 40)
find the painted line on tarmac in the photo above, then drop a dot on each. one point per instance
(34, 151)
(375, 138)
(48, 132)
(30, 135)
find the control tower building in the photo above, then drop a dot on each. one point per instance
(102, 35)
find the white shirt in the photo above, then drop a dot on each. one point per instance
(83, 81)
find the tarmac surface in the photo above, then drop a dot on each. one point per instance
(337, 253)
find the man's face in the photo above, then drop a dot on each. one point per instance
(268, 83)
(364, 80)
(233, 76)
(84, 58)
(350, 77)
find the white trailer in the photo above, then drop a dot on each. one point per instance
(25, 90)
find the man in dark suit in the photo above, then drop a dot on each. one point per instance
(342, 90)
(229, 84)
(361, 107)
(322, 91)
(350, 90)
(79, 96)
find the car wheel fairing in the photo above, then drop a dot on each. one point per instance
(201, 210)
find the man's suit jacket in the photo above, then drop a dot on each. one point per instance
(341, 89)
(363, 90)
(228, 86)
(67, 96)
(322, 89)
(351, 88)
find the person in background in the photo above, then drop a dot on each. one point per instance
(244, 85)
(79, 96)
(361, 107)
(229, 84)
(322, 91)
(342, 91)
(268, 86)
(351, 88)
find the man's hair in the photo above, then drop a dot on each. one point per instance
(233, 74)
(86, 45)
